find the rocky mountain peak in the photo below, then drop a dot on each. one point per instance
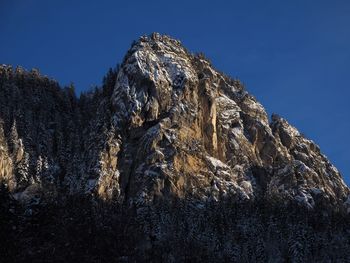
(165, 128)
(172, 126)
(207, 132)
(152, 72)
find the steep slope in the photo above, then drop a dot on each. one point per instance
(173, 146)
(37, 129)
(193, 131)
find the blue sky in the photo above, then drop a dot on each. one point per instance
(294, 56)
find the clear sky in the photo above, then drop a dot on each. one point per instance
(294, 56)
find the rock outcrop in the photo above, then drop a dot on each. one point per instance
(165, 128)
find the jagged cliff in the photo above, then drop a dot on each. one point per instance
(167, 131)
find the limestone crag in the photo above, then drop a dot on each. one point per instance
(165, 127)
(192, 131)
(172, 126)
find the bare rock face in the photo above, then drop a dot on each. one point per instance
(187, 130)
(165, 131)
